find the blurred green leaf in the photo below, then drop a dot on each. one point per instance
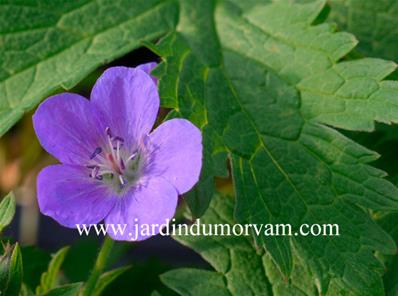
(25, 291)
(80, 260)
(142, 278)
(7, 210)
(11, 270)
(35, 262)
(66, 290)
(48, 44)
(50, 277)
(107, 278)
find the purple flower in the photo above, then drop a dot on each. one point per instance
(113, 168)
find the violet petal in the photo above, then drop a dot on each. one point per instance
(66, 127)
(128, 100)
(69, 196)
(151, 203)
(147, 68)
(176, 153)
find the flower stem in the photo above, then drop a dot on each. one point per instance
(100, 265)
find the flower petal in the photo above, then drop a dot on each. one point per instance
(129, 100)
(66, 127)
(151, 203)
(147, 68)
(176, 153)
(69, 196)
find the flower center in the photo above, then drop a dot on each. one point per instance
(113, 164)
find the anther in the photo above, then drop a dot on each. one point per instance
(108, 131)
(121, 140)
(97, 151)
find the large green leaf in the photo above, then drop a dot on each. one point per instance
(240, 267)
(373, 22)
(239, 270)
(261, 87)
(47, 44)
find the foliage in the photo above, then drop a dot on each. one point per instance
(273, 87)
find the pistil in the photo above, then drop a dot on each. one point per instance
(110, 161)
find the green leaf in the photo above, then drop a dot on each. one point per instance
(48, 44)
(66, 290)
(7, 210)
(142, 278)
(50, 277)
(195, 282)
(373, 22)
(389, 224)
(239, 270)
(11, 271)
(35, 263)
(25, 291)
(252, 87)
(107, 278)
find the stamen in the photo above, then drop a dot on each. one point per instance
(111, 147)
(103, 172)
(109, 162)
(122, 164)
(94, 172)
(118, 151)
(97, 151)
(131, 157)
(122, 182)
(108, 132)
(115, 165)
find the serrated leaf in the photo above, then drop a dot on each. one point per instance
(373, 22)
(66, 290)
(11, 271)
(47, 44)
(7, 210)
(288, 167)
(389, 223)
(49, 278)
(239, 270)
(107, 278)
